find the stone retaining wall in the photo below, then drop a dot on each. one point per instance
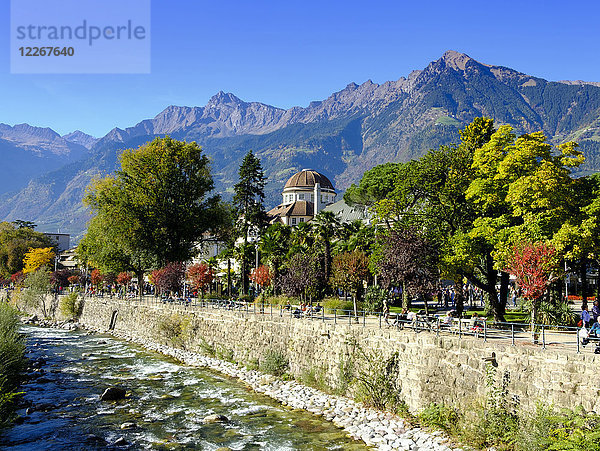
(431, 369)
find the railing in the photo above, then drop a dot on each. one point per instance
(543, 335)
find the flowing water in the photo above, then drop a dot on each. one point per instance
(167, 400)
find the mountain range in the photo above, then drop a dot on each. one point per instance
(342, 136)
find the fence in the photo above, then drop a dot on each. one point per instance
(542, 335)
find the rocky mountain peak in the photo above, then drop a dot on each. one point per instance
(20, 131)
(455, 60)
(81, 138)
(224, 98)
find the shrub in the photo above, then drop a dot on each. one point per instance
(493, 423)
(377, 381)
(331, 303)
(246, 298)
(224, 353)
(345, 375)
(280, 300)
(374, 299)
(274, 362)
(206, 348)
(559, 430)
(440, 416)
(70, 306)
(315, 377)
(176, 329)
(12, 361)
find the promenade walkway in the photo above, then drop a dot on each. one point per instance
(515, 334)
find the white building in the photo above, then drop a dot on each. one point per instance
(60, 240)
(305, 194)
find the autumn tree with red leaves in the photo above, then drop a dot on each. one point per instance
(409, 260)
(17, 278)
(200, 276)
(168, 279)
(261, 276)
(302, 276)
(74, 279)
(60, 278)
(97, 278)
(124, 278)
(533, 266)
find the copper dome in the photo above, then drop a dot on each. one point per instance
(307, 178)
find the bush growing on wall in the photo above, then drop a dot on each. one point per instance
(71, 306)
(377, 381)
(274, 362)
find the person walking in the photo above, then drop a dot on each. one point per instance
(585, 316)
(386, 311)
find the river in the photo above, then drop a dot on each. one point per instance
(167, 400)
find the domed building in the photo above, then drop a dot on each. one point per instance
(305, 194)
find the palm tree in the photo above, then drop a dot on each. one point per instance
(355, 236)
(301, 239)
(274, 245)
(325, 228)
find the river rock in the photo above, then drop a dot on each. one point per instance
(19, 420)
(95, 440)
(32, 319)
(113, 394)
(129, 425)
(121, 442)
(38, 363)
(216, 418)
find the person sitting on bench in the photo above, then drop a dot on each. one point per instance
(595, 330)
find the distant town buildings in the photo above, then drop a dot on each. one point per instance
(62, 241)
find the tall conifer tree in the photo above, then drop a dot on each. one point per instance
(248, 199)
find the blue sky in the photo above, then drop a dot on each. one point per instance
(290, 53)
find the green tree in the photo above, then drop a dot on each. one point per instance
(36, 288)
(408, 259)
(301, 239)
(522, 191)
(355, 236)
(325, 227)
(15, 242)
(248, 199)
(578, 240)
(430, 195)
(349, 272)
(154, 210)
(375, 185)
(273, 245)
(478, 198)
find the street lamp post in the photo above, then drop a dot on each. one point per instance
(566, 283)
(256, 268)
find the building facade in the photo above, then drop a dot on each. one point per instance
(305, 194)
(60, 240)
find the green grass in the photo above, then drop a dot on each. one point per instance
(511, 316)
(446, 120)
